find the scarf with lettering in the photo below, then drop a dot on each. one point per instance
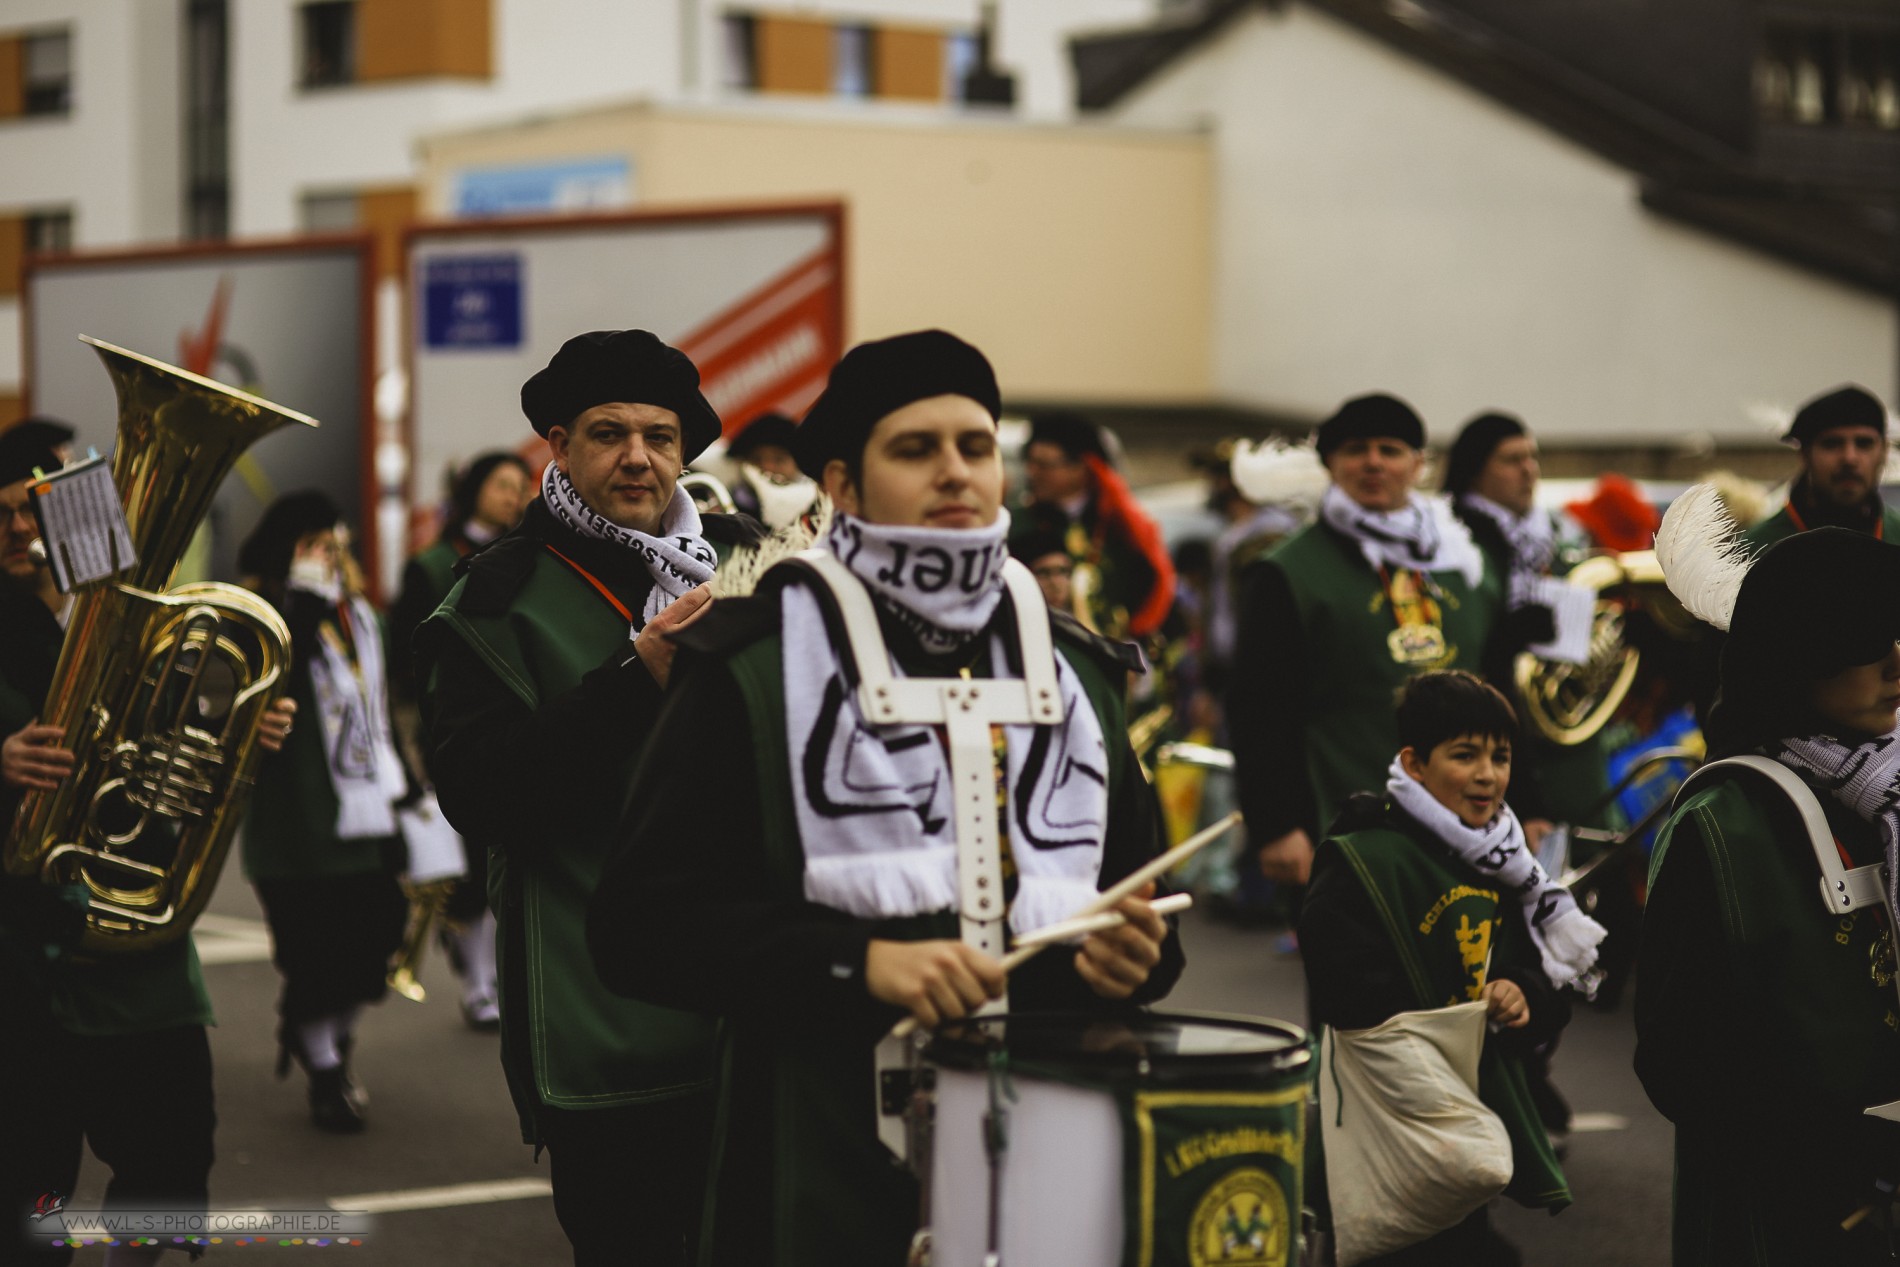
(1533, 542)
(1424, 536)
(353, 711)
(679, 559)
(1566, 938)
(1864, 777)
(873, 802)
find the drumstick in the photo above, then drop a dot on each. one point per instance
(1111, 896)
(1173, 904)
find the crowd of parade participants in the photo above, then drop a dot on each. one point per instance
(701, 882)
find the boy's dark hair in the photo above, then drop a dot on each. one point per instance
(1437, 707)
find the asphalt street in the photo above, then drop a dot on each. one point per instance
(443, 1159)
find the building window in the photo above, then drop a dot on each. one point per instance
(329, 43)
(851, 60)
(47, 69)
(48, 232)
(207, 121)
(739, 52)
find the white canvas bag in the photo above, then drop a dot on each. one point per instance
(1410, 1149)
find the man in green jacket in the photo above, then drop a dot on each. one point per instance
(83, 1041)
(1843, 441)
(1766, 1013)
(542, 674)
(839, 880)
(1385, 586)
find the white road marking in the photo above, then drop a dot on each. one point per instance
(1584, 1122)
(442, 1198)
(227, 939)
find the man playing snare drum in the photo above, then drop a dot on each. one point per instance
(819, 896)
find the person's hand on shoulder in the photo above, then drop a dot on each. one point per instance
(654, 646)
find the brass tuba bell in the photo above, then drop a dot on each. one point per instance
(160, 693)
(1569, 703)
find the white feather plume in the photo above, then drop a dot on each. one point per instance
(1701, 556)
(739, 575)
(1275, 473)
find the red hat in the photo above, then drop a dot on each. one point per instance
(1618, 515)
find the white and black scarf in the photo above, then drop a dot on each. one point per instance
(873, 802)
(1566, 938)
(1533, 542)
(1423, 537)
(1865, 778)
(353, 710)
(679, 560)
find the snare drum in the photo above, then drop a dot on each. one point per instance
(1148, 1141)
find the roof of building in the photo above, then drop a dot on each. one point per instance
(1843, 224)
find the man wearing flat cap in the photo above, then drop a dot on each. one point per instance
(1843, 441)
(836, 883)
(1386, 585)
(543, 672)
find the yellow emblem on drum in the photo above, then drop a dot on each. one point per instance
(1240, 1222)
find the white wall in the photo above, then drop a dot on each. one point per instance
(124, 98)
(549, 54)
(1379, 226)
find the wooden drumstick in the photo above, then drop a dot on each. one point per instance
(1108, 898)
(1049, 934)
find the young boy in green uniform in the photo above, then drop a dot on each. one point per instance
(1766, 1015)
(1428, 896)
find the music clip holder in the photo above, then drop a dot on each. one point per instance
(82, 523)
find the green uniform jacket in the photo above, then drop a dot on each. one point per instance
(1765, 1024)
(799, 1178)
(1445, 930)
(1315, 678)
(1782, 524)
(568, 1042)
(124, 994)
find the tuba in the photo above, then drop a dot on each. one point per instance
(160, 693)
(1569, 703)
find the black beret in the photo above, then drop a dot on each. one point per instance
(1474, 447)
(1072, 433)
(21, 449)
(877, 379)
(767, 429)
(1848, 406)
(629, 366)
(1811, 605)
(267, 551)
(1040, 541)
(1374, 417)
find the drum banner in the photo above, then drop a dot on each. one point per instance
(1213, 1177)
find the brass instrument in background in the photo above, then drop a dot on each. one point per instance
(708, 492)
(428, 903)
(159, 693)
(1569, 703)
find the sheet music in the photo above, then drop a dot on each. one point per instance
(1573, 610)
(82, 524)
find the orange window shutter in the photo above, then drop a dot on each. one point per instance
(12, 77)
(907, 64)
(794, 55)
(385, 213)
(419, 39)
(12, 252)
